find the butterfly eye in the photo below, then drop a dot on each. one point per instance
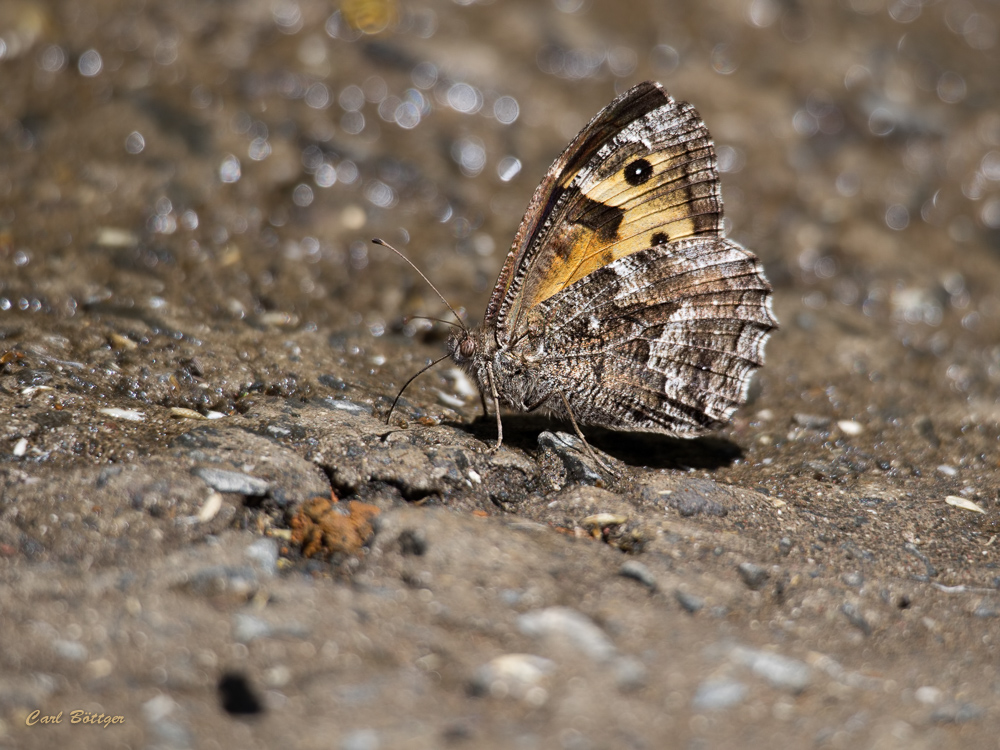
(638, 171)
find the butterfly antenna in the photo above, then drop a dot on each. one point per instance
(412, 265)
(407, 383)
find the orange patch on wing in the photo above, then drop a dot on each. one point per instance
(672, 165)
(588, 252)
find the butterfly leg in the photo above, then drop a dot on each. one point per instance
(496, 405)
(586, 445)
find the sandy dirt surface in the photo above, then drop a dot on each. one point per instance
(199, 345)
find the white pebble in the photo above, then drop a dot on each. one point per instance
(927, 694)
(562, 624)
(448, 400)
(961, 502)
(462, 383)
(211, 507)
(130, 414)
(850, 427)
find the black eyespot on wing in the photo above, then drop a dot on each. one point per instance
(638, 172)
(659, 238)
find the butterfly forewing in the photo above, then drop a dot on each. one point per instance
(641, 173)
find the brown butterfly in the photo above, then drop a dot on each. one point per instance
(620, 303)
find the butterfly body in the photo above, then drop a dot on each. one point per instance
(620, 303)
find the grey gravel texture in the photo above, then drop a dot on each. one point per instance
(197, 340)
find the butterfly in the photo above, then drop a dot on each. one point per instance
(621, 304)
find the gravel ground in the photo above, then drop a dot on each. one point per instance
(210, 538)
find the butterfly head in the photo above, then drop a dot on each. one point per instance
(462, 345)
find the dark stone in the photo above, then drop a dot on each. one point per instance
(579, 467)
(237, 696)
(754, 576)
(412, 542)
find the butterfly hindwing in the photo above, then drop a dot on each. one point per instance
(663, 340)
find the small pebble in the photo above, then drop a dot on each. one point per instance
(277, 318)
(130, 415)
(638, 572)
(754, 576)
(413, 542)
(448, 400)
(70, 650)
(518, 676)
(350, 407)
(165, 725)
(569, 449)
(853, 579)
(713, 695)
(179, 412)
(570, 626)
(963, 503)
(927, 694)
(689, 602)
(781, 672)
(462, 383)
(630, 673)
(247, 628)
(211, 507)
(225, 480)
(850, 427)
(115, 237)
(264, 552)
(986, 609)
(99, 668)
(948, 471)
(20, 448)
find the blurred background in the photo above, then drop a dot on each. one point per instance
(853, 137)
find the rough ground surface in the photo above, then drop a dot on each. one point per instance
(197, 342)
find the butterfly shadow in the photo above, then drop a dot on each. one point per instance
(633, 448)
